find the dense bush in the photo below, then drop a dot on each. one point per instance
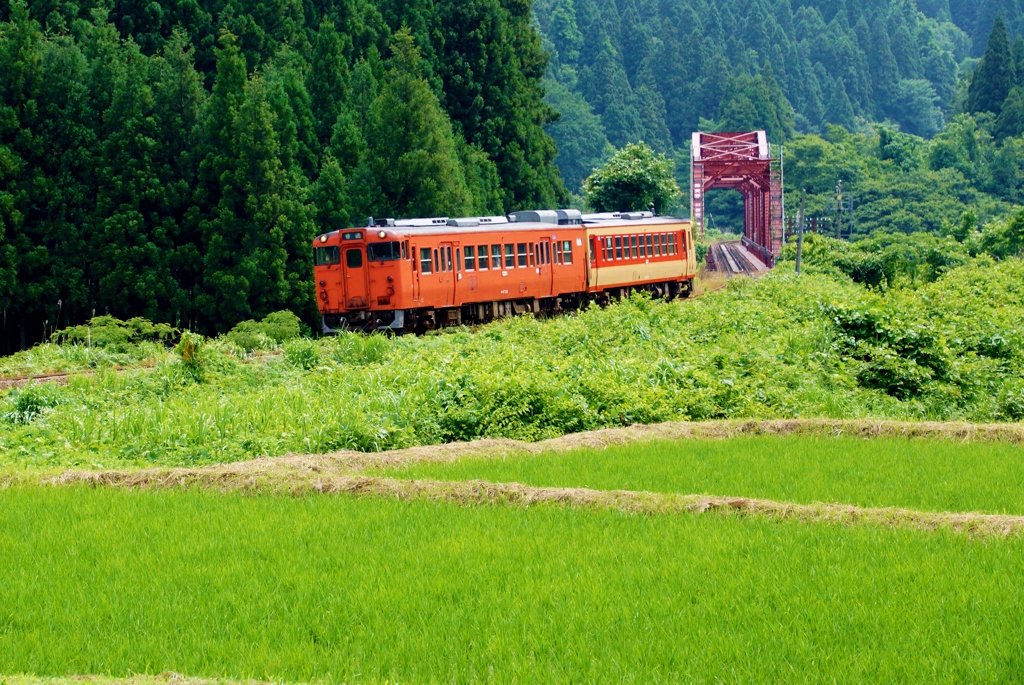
(110, 332)
(271, 332)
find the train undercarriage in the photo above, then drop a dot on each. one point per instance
(420, 321)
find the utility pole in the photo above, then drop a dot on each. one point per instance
(800, 230)
(839, 209)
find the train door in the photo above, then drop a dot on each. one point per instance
(356, 287)
(418, 263)
(546, 266)
(446, 273)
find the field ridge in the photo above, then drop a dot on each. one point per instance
(478, 492)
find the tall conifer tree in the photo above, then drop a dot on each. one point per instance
(995, 76)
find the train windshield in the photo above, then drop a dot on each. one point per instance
(384, 252)
(322, 256)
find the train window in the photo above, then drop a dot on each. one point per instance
(436, 266)
(495, 256)
(354, 258)
(322, 256)
(405, 249)
(470, 258)
(510, 256)
(618, 247)
(632, 241)
(384, 252)
(672, 243)
(593, 250)
(522, 254)
(425, 260)
(448, 253)
(458, 259)
(657, 245)
(650, 245)
(482, 251)
(611, 249)
(566, 252)
(533, 250)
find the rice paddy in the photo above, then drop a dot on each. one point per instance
(362, 590)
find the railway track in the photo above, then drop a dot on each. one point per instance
(61, 378)
(732, 259)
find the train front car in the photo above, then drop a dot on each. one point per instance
(420, 274)
(359, 275)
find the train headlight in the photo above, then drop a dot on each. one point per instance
(382, 234)
(323, 239)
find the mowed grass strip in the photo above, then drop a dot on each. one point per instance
(317, 588)
(924, 475)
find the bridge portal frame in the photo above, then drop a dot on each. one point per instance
(742, 161)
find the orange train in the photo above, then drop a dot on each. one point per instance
(418, 274)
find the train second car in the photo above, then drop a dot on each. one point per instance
(420, 274)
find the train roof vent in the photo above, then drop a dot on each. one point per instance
(419, 223)
(380, 222)
(569, 217)
(540, 216)
(464, 222)
(602, 216)
(633, 216)
(494, 220)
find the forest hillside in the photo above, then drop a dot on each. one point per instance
(657, 70)
(174, 160)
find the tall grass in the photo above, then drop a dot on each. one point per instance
(779, 347)
(890, 472)
(354, 590)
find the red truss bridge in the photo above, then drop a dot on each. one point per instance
(742, 161)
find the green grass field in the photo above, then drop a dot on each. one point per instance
(916, 474)
(338, 589)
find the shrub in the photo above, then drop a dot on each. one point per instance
(270, 333)
(30, 402)
(112, 333)
(301, 353)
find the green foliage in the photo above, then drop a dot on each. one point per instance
(301, 353)
(111, 332)
(24, 405)
(192, 349)
(1003, 239)
(635, 178)
(275, 328)
(816, 345)
(905, 184)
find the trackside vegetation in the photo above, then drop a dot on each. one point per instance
(784, 346)
(344, 590)
(923, 475)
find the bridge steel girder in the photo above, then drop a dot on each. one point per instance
(741, 161)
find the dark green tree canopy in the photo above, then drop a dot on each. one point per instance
(635, 178)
